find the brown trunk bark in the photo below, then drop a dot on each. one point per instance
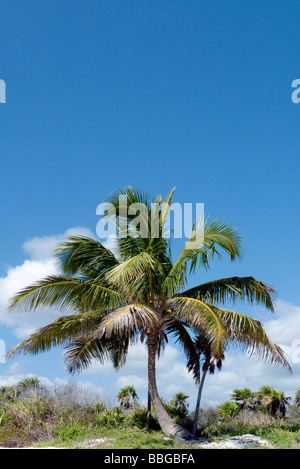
(198, 403)
(148, 425)
(168, 426)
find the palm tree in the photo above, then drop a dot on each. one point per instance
(245, 398)
(228, 409)
(180, 400)
(127, 397)
(297, 399)
(140, 294)
(29, 383)
(201, 358)
(274, 401)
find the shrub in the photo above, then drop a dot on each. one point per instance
(127, 397)
(228, 409)
(138, 418)
(179, 414)
(33, 415)
(111, 418)
(70, 432)
(207, 417)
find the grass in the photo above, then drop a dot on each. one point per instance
(124, 438)
(117, 438)
(282, 438)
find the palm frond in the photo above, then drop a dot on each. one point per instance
(119, 349)
(165, 209)
(200, 249)
(66, 292)
(132, 318)
(249, 333)
(129, 245)
(123, 198)
(205, 242)
(204, 317)
(80, 352)
(83, 349)
(226, 237)
(77, 253)
(58, 333)
(131, 269)
(55, 290)
(153, 213)
(232, 289)
(201, 356)
(179, 330)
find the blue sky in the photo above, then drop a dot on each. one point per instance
(193, 94)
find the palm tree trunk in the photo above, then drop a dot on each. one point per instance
(168, 426)
(195, 424)
(148, 425)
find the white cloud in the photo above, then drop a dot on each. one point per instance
(17, 278)
(11, 380)
(15, 368)
(40, 265)
(41, 248)
(284, 327)
(81, 391)
(137, 381)
(20, 276)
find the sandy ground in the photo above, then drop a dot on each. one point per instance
(233, 442)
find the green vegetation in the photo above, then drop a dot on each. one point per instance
(228, 409)
(266, 399)
(266, 413)
(69, 417)
(30, 414)
(281, 433)
(127, 397)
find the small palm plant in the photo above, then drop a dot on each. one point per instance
(8, 393)
(127, 397)
(30, 383)
(274, 401)
(297, 399)
(139, 293)
(228, 409)
(180, 400)
(245, 398)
